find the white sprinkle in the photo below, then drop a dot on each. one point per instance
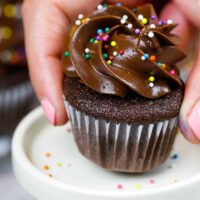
(87, 19)
(99, 7)
(87, 50)
(115, 53)
(130, 26)
(152, 26)
(142, 58)
(169, 21)
(123, 21)
(125, 17)
(151, 84)
(140, 17)
(150, 34)
(78, 22)
(80, 16)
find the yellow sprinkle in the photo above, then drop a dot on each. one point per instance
(109, 62)
(83, 20)
(113, 43)
(96, 41)
(144, 20)
(137, 186)
(6, 32)
(152, 78)
(59, 164)
(10, 10)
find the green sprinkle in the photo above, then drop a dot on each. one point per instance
(105, 5)
(107, 29)
(92, 40)
(160, 64)
(87, 56)
(67, 53)
(105, 55)
(59, 164)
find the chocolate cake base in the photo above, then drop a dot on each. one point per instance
(131, 109)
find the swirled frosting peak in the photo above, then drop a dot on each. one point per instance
(117, 49)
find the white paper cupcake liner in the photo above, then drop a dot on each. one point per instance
(120, 146)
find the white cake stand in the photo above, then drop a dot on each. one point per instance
(48, 165)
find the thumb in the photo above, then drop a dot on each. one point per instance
(190, 112)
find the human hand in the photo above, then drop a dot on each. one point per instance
(45, 30)
(189, 119)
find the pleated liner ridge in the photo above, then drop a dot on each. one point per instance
(123, 147)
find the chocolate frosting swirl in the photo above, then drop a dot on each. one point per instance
(116, 50)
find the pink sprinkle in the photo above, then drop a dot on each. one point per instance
(152, 181)
(120, 186)
(105, 38)
(172, 72)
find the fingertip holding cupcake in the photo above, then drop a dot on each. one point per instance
(49, 111)
(185, 124)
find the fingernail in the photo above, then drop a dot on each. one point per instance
(194, 119)
(49, 110)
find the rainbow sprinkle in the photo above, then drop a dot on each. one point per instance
(119, 186)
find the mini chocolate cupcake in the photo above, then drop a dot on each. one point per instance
(122, 88)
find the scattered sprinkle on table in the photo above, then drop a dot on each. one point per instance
(152, 181)
(48, 155)
(174, 156)
(58, 164)
(119, 186)
(46, 167)
(137, 186)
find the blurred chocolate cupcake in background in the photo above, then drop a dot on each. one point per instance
(16, 93)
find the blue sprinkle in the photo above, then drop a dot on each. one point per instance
(160, 64)
(99, 31)
(174, 157)
(146, 56)
(118, 4)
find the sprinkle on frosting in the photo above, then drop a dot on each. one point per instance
(169, 21)
(100, 7)
(117, 37)
(137, 31)
(113, 44)
(151, 34)
(144, 21)
(67, 53)
(172, 72)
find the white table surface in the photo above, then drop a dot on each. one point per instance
(9, 187)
